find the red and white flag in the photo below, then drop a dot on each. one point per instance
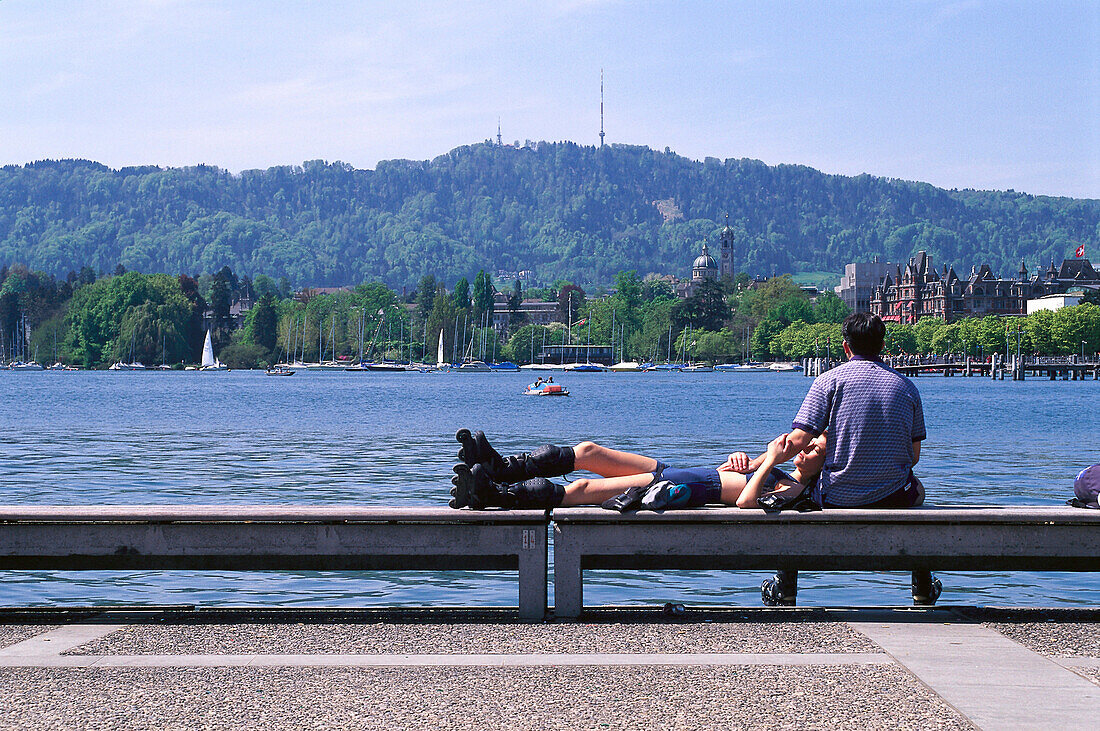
(1080, 251)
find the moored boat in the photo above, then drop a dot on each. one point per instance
(583, 368)
(473, 366)
(626, 366)
(209, 361)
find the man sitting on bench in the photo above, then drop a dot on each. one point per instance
(875, 422)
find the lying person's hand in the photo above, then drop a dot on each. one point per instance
(737, 462)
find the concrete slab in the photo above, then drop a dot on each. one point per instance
(995, 682)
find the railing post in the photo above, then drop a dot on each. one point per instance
(568, 576)
(532, 573)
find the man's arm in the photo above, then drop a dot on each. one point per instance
(795, 442)
(916, 451)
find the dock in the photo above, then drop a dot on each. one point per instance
(181, 667)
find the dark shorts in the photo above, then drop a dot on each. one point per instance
(909, 496)
(704, 482)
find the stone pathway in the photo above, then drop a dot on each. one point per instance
(855, 669)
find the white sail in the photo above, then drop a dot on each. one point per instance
(439, 350)
(208, 352)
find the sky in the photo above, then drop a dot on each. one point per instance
(966, 94)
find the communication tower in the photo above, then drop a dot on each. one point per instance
(601, 107)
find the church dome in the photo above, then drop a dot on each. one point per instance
(704, 261)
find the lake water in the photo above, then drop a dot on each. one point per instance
(383, 439)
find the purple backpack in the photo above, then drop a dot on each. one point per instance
(1087, 487)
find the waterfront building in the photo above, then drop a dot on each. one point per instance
(703, 269)
(531, 312)
(858, 283)
(725, 251)
(919, 290)
(1055, 301)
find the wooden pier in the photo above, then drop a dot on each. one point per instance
(996, 368)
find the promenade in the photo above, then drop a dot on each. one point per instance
(951, 667)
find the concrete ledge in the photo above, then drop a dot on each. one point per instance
(947, 538)
(249, 538)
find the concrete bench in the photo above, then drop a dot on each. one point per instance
(956, 538)
(288, 538)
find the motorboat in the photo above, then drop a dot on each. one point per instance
(59, 366)
(666, 367)
(583, 368)
(626, 366)
(751, 368)
(279, 371)
(541, 367)
(505, 366)
(785, 367)
(697, 368)
(545, 389)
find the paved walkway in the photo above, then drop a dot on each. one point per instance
(616, 669)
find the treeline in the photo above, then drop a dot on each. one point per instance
(95, 320)
(563, 210)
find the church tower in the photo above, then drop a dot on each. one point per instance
(725, 247)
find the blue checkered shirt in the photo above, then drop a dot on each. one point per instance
(873, 415)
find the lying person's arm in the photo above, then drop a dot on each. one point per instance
(755, 486)
(795, 443)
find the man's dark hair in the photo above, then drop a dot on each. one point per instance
(864, 334)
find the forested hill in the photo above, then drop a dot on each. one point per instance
(561, 210)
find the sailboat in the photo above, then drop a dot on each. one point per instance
(209, 362)
(133, 365)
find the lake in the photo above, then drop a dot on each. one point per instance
(81, 438)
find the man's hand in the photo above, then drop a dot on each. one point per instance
(737, 462)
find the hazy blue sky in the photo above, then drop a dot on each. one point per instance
(959, 94)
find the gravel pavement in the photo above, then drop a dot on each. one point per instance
(1054, 639)
(473, 698)
(461, 638)
(12, 633)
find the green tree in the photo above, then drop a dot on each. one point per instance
(830, 308)
(571, 300)
(516, 315)
(705, 309)
(461, 294)
(482, 295)
(263, 321)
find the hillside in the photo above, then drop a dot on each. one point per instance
(559, 209)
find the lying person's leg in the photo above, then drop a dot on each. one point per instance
(474, 488)
(607, 462)
(546, 461)
(595, 491)
(549, 460)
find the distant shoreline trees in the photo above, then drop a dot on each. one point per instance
(156, 318)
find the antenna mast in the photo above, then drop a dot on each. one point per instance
(499, 143)
(601, 107)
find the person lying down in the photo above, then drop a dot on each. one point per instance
(485, 479)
